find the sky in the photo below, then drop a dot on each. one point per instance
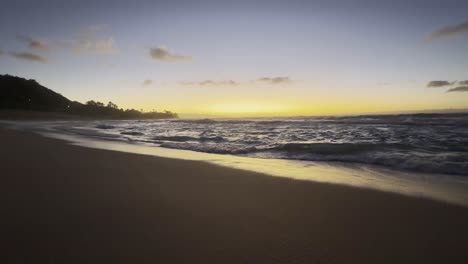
(243, 58)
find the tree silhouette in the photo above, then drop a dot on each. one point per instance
(19, 93)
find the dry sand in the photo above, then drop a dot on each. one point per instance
(68, 204)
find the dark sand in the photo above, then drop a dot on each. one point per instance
(68, 204)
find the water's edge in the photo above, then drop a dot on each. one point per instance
(446, 188)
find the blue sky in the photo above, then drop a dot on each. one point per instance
(335, 56)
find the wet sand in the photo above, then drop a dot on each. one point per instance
(70, 204)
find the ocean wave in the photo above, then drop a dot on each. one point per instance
(211, 139)
(188, 138)
(409, 161)
(175, 138)
(233, 149)
(105, 127)
(195, 121)
(432, 143)
(395, 156)
(132, 133)
(334, 148)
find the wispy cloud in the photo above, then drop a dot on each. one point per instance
(91, 40)
(458, 89)
(28, 56)
(101, 46)
(147, 82)
(463, 83)
(34, 43)
(437, 84)
(212, 83)
(449, 31)
(274, 80)
(164, 54)
(267, 80)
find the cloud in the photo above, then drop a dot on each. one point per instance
(91, 40)
(164, 54)
(463, 83)
(34, 43)
(212, 83)
(101, 46)
(449, 31)
(88, 40)
(437, 84)
(274, 80)
(269, 80)
(28, 56)
(1, 52)
(147, 82)
(458, 89)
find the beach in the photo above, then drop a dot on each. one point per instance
(70, 204)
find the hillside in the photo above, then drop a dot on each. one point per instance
(21, 94)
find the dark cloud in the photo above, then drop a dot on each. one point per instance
(164, 54)
(28, 56)
(274, 80)
(436, 84)
(34, 43)
(449, 31)
(147, 82)
(465, 82)
(458, 89)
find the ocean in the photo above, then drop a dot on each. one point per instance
(423, 155)
(428, 143)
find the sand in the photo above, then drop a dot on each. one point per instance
(69, 204)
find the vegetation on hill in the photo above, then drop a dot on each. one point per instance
(22, 94)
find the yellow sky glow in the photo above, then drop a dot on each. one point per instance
(255, 100)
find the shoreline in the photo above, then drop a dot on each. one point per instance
(76, 204)
(440, 187)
